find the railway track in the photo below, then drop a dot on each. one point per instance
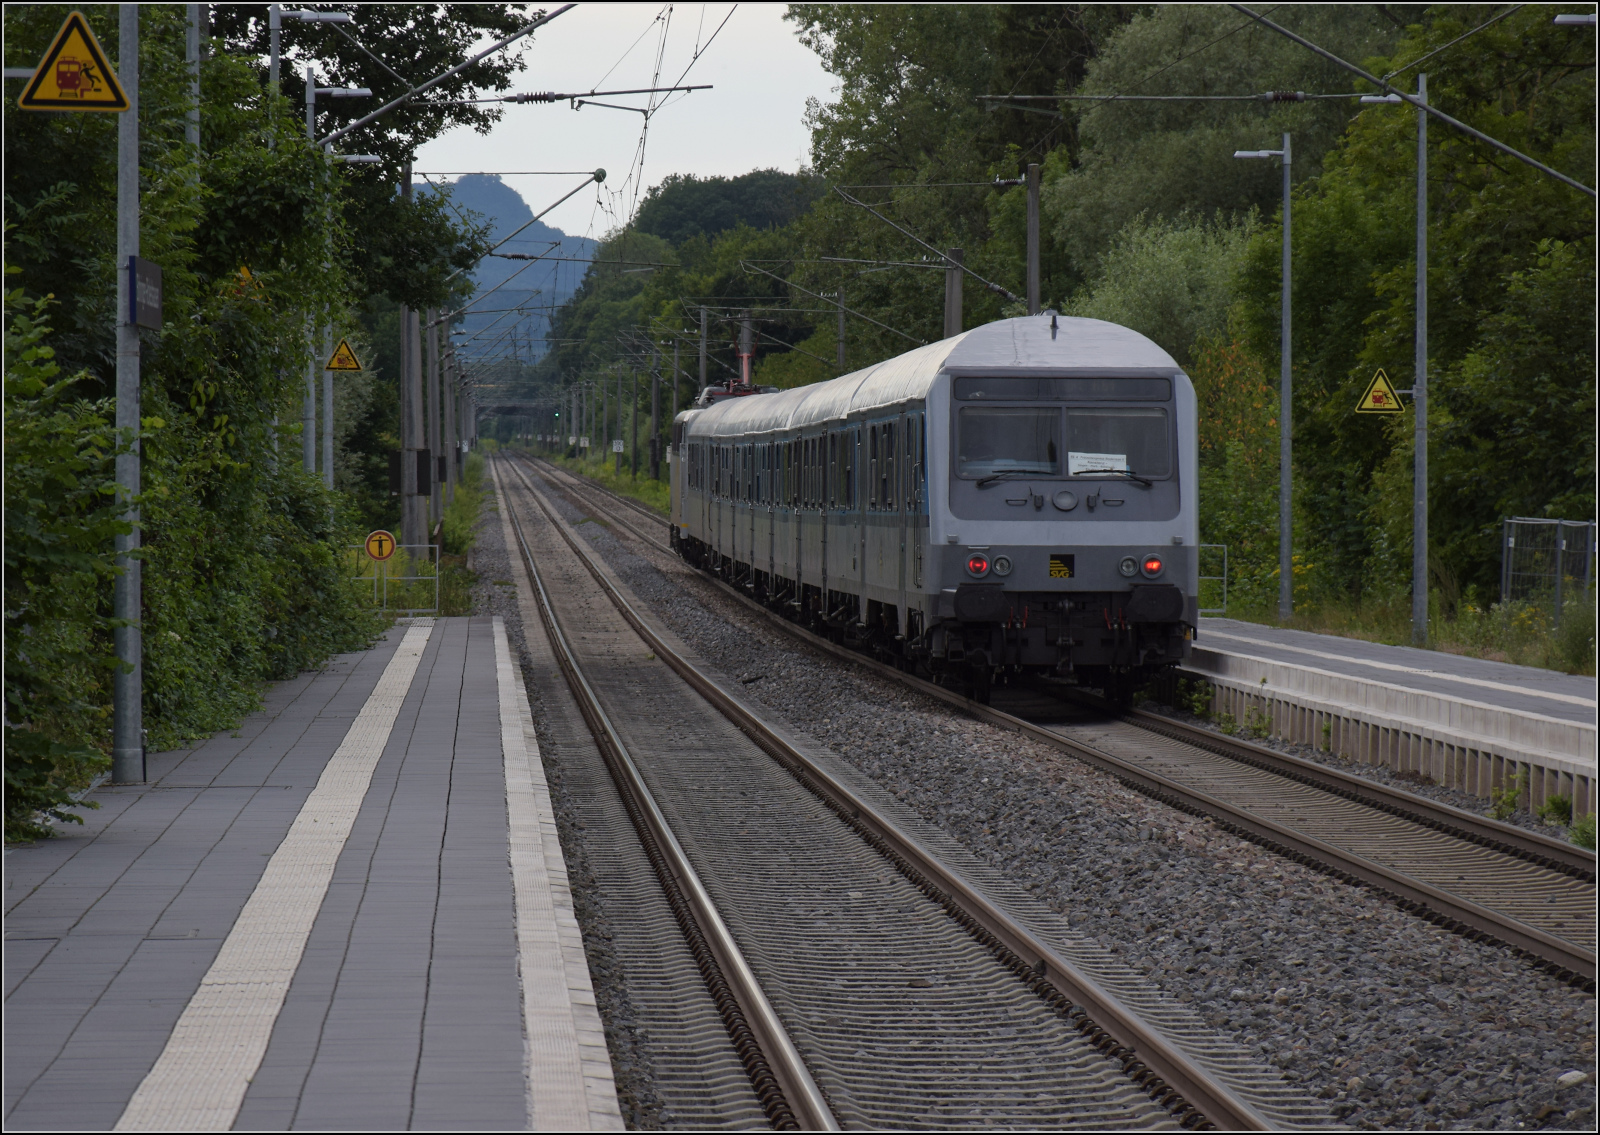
(1485, 880)
(863, 980)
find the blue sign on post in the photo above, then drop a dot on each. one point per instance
(144, 293)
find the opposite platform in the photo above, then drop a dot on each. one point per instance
(350, 914)
(1466, 723)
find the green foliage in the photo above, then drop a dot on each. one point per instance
(1169, 280)
(1172, 159)
(1195, 696)
(1557, 809)
(1511, 340)
(1582, 833)
(60, 517)
(685, 206)
(461, 515)
(1503, 801)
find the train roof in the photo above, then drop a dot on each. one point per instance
(1025, 346)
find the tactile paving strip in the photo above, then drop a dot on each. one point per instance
(200, 1079)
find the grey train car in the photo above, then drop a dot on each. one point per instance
(1018, 498)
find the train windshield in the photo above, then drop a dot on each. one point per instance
(1132, 440)
(996, 439)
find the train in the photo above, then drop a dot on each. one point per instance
(1018, 499)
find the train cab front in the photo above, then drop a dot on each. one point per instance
(1084, 565)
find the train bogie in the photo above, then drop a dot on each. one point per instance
(1021, 497)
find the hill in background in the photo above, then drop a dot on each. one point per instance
(538, 287)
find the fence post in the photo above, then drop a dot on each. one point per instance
(1561, 545)
(1505, 562)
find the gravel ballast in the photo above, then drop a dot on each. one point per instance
(1397, 1023)
(494, 593)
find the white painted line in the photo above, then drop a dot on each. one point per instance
(200, 1079)
(1442, 675)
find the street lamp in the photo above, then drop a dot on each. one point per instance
(1419, 382)
(308, 435)
(1286, 405)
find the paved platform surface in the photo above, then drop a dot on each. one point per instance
(1521, 689)
(351, 914)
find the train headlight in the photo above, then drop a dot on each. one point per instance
(977, 564)
(1129, 567)
(1151, 566)
(1002, 565)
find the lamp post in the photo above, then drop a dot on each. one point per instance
(1286, 405)
(1419, 382)
(308, 438)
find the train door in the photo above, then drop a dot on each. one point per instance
(902, 532)
(797, 547)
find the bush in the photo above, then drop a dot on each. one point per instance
(1582, 833)
(461, 514)
(60, 517)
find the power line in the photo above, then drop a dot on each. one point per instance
(824, 299)
(993, 287)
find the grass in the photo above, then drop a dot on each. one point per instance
(641, 488)
(1520, 633)
(455, 536)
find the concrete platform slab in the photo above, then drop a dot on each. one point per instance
(1465, 723)
(336, 919)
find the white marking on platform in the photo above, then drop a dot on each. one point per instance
(201, 1077)
(1443, 675)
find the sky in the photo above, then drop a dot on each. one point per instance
(761, 77)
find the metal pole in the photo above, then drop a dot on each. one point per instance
(191, 55)
(1561, 547)
(1033, 240)
(127, 684)
(702, 353)
(274, 43)
(952, 292)
(308, 409)
(327, 409)
(677, 377)
(633, 424)
(1419, 393)
(841, 329)
(452, 474)
(619, 420)
(435, 418)
(655, 415)
(1285, 421)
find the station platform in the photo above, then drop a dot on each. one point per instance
(1465, 723)
(350, 914)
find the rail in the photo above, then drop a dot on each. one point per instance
(1566, 960)
(1147, 1055)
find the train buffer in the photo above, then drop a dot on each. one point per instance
(352, 912)
(1465, 723)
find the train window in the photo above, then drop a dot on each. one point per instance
(1005, 439)
(1132, 438)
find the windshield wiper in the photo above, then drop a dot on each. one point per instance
(1128, 473)
(1006, 475)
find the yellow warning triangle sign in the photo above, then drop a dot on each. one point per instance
(1380, 397)
(343, 358)
(74, 74)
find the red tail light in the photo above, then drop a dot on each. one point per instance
(1152, 565)
(978, 564)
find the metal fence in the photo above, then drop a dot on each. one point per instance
(1546, 562)
(390, 580)
(1218, 591)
